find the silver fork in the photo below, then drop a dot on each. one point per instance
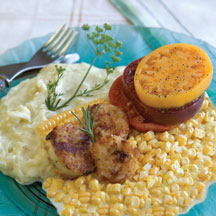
(53, 50)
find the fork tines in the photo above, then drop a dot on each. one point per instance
(60, 41)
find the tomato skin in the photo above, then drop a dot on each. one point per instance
(171, 116)
(116, 94)
(128, 80)
(136, 121)
(141, 117)
(139, 124)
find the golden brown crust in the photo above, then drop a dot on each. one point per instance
(72, 149)
(116, 160)
(109, 120)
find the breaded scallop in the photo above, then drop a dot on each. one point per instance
(116, 160)
(70, 150)
(110, 120)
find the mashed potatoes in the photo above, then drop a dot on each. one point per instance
(22, 153)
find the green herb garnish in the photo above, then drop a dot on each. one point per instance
(88, 125)
(102, 43)
(51, 101)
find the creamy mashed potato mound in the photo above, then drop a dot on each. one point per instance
(22, 152)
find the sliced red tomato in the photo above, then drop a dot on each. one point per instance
(172, 116)
(136, 121)
(139, 124)
(116, 94)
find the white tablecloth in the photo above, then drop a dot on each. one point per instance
(195, 18)
(24, 19)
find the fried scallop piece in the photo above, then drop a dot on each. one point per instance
(70, 150)
(116, 160)
(110, 120)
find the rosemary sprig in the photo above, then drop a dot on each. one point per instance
(88, 125)
(102, 43)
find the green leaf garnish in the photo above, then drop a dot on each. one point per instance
(51, 101)
(107, 26)
(101, 43)
(85, 27)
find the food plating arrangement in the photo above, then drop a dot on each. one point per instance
(132, 140)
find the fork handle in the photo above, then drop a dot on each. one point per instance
(11, 76)
(13, 73)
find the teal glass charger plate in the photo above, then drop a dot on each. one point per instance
(16, 199)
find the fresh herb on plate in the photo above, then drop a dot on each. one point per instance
(88, 123)
(52, 101)
(102, 43)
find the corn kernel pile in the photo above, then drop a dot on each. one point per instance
(175, 168)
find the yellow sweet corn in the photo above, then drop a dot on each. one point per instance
(174, 168)
(67, 116)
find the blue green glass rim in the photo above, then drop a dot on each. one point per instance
(31, 199)
(144, 40)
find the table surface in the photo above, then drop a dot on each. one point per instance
(23, 19)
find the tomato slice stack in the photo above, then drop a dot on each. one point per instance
(164, 88)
